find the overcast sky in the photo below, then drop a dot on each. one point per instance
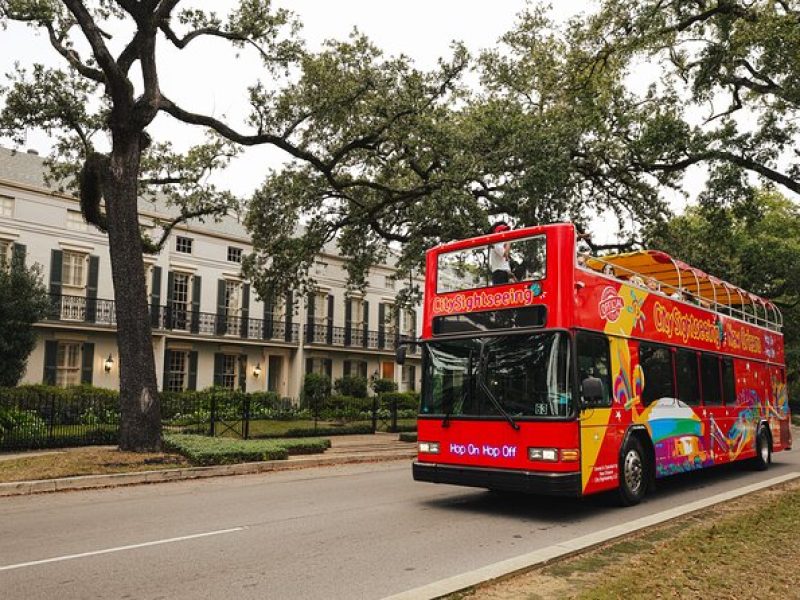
(212, 80)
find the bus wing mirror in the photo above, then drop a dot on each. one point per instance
(400, 355)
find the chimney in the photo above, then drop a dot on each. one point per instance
(32, 151)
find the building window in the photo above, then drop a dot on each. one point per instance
(6, 206)
(409, 323)
(68, 364)
(75, 221)
(234, 254)
(183, 244)
(176, 376)
(409, 377)
(5, 253)
(233, 306)
(227, 378)
(388, 282)
(180, 300)
(73, 270)
(176, 371)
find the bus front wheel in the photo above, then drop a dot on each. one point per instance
(633, 475)
(763, 450)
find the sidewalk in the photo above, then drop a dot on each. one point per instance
(346, 449)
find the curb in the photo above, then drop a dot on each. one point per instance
(525, 562)
(84, 482)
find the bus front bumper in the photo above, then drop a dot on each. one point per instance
(528, 482)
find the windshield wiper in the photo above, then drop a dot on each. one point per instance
(482, 362)
(466, 394)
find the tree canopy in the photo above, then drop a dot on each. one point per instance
(754, 244)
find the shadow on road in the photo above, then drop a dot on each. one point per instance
(527, 506)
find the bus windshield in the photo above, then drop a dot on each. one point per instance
(525, 375)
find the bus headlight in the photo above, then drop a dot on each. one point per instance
(429, 447)
(545, 454)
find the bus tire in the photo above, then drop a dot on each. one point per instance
(633, 473)
(763, 450)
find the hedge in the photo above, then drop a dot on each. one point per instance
(408, 437)
(203, 451)
(405, 400)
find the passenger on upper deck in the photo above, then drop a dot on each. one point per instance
(499, 263)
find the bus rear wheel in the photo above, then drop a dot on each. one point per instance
(633, 473)
(763, 450)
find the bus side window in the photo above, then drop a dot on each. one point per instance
(710, 376)
(688, 384)
(656, 363)
(594, 369)
(728, 382)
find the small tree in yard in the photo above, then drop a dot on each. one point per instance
(23, 301)
(316, 390)
(351, 385)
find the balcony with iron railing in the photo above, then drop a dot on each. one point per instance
(356, 336)
(177, 318)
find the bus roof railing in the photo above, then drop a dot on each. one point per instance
(674, 278)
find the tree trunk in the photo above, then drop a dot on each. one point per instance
(140, 414)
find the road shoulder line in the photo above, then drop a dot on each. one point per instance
(507, 567)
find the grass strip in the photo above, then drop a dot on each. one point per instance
(85, 461)
(204, 451)
(744, 548)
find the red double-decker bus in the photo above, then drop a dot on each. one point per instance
(579, 374)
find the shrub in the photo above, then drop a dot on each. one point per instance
(410, 436)
(381, 386)
(202, 450)
(316, 389)
(21, 424)
(351, 429)
(351, 385)
(404, 400)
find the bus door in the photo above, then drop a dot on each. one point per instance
(599, 434)
(719, 400)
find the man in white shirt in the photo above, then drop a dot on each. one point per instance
(499, 263)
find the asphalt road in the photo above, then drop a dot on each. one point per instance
(361, 531)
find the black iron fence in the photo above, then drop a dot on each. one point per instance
(42, 418)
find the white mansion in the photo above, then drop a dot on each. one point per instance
(209, 328)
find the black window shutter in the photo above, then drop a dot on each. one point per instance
(196, 287)
(412, 377)
(91, 289)
(328, 364)
(170, 316)
(50, 356)
(310, 318)
(219, 362)
(243, 373)
(396, 335)
(347, 368)
(192, 383)
(348, 321)
(289, 316)
(245, 309)
(18, 255)
(381, 324)
(366, 324)
(56, 265)
(165, 378)
(329, 332)
(221, 324)
(269, 309)
(88, 363)
(309, 365)
(155, 297)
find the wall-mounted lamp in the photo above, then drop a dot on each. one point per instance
(108, 364)
(257, 370)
